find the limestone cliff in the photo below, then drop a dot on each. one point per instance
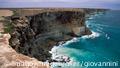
(9, 58)
(35, 35)
(33, 32)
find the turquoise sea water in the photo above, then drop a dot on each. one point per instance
(102, 46)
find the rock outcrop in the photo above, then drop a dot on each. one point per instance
(9, 58)
(35, 35)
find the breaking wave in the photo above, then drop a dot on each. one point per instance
(92, 36)
(55, 51)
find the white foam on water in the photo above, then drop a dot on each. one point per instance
(92, 36)
(88, 23)
(71, 41)
(106, 35)
(102, 25)
(54, 52)
(90, 18)
(58, 51)
(99, 27)
(93, 16)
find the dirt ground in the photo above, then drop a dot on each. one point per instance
(5, 12)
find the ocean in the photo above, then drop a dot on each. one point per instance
(101, 49)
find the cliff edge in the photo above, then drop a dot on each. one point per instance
(35, 35)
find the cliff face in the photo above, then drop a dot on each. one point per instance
(9, 58)
(35, 35)
(33, 32)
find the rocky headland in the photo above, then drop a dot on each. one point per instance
(35, 35)
(34, 32)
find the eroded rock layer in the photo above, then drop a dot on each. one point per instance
(35, 35)
(9, 58)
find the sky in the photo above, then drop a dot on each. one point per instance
(109, 4)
